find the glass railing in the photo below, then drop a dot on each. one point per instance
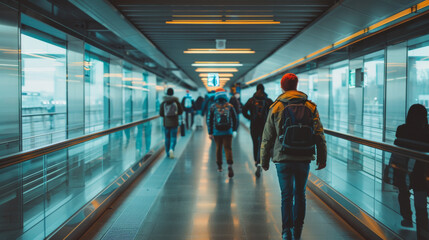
(366, 174)
(40, 192)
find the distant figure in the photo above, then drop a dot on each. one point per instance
(414, 134)
(170, 110)
(292, 129)
(256, 110)
(199, 112)
(208, 101)
(235, 101)
(222, 125)
(188, 107)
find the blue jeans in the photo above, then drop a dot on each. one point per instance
(293, 179)
(170, 138)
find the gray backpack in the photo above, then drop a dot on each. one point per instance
(170, 109)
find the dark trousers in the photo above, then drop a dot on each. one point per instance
(256, 133)
(226, 142)
(420, 204)
(293, 179)
(189, 119)
(170, 138)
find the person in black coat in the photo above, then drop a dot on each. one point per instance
(256, 110)
(414, 134)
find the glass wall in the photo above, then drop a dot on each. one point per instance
(43, 90)
(96, 70)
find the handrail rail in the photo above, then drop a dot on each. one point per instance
(16, 158)
(382, 146)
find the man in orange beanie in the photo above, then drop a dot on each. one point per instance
(294, 149)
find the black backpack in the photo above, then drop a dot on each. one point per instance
(297, 130)
(222, 118)
(260, 109)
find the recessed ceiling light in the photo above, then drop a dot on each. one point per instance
(211, 70)
(220, 75)
(217, 64)
(228, 22)
(219, 51)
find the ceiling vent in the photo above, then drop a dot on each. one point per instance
(220, 43)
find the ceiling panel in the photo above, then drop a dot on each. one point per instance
(150, 18)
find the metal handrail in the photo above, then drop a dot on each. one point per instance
(27, 155)
(382, 146)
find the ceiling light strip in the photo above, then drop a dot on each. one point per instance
(383, 22)
(214, 70)
(227, 22)
(219, 52)
(207, 62)
(217, 65)
(215, 49)
(220, 75)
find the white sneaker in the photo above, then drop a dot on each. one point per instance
(171, 153)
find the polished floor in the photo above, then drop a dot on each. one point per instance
(186, 198)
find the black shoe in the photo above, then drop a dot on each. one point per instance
(287, 234)
(258, 171)
(407, 223)
(219, 168)
(297, 230)
(230, 172)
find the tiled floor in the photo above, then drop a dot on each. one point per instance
(197, 202)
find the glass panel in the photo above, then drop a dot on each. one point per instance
(39, 195)
(339, 98)
(418, 75)
(396, 73)
(127, 97)
(373, 101)
(43, 92)
(96, 93)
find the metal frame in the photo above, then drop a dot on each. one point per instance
(27, 155)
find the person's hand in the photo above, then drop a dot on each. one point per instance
(321, 165)
(265, 168)
(234, 134)
(211, 137)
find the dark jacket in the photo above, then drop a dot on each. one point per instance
(236, 103)
(249, 110)
(208, 101)
(171, 121)
(270, 138)
(415, 138)
(199, 103)
(210, 117)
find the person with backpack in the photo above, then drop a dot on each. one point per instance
(188, 107)
(170, 110)
(291, 133)
(222, 125)
(235, 101)
(199, 112)
(256, 110)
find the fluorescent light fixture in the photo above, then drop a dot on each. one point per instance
(219, 51)
(220, 74)
(227, 22)
(250, 16)
(220, 79)
(210, 70)
(217, 64)
(196, 16)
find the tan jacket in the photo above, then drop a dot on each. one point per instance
(270, 139)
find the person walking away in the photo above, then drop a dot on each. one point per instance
(222, 125)
(235, 101)
(291, 131)
(414, 134)
(256, 110)
(208, 101)
(199, 112)
(188, 107)
(170, 110)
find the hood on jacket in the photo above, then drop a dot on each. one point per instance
(221, 97)
(170, 98)
(292, 94)
(260, 95)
